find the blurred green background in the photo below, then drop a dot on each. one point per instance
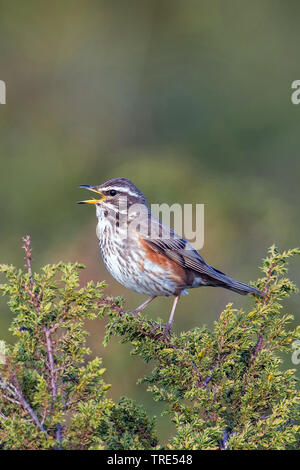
(189, 99)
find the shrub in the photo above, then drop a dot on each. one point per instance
(223, 388)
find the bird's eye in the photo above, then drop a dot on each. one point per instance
(112, 192)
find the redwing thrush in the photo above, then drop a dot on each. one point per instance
(146, 256)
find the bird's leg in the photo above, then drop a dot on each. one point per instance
(171, 318)
(143, 305)
(168, 326)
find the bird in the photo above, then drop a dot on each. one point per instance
(145, 255)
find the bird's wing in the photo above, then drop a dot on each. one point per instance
(180, 251)
(165, 241)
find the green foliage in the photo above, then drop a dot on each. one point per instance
(130, 428)
(50, 395)
(223, 388)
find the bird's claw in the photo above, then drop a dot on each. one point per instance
(167, 327)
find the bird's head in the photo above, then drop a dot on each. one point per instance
(115, 193)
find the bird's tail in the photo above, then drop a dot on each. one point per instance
(240, 287)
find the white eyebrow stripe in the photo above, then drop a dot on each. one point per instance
(121, 189)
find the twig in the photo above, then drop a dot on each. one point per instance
(44, 415)
(209, 377)
(15, 390)
(35, 301)
(224, 444)
(12, 400)
(52, 375)
(28, 257)
(2, 415)
(106, 301)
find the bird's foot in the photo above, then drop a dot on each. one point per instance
(167, 327)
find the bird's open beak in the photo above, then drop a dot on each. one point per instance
(91, 201)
